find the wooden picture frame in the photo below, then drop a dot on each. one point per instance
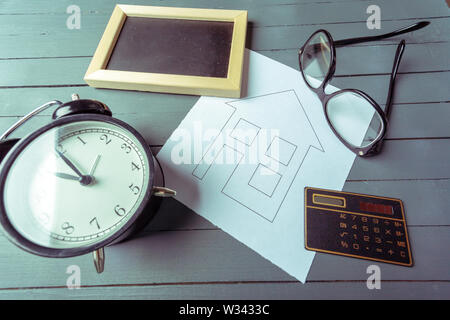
(99, 76)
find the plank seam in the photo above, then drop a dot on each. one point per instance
(336, 76)
(158, 284)
(346, 22)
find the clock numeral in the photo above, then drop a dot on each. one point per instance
(134, 167)
(126, 148)
(106, 138)
(82, 141)
(96, 222)
(119, 211)
(67, 228)
(134, 189)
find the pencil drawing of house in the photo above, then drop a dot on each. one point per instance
(257, 156)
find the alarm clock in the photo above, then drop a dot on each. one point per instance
(84, 181)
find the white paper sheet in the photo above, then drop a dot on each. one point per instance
(243, 164)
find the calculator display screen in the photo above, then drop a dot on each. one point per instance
(376, 208)
(333, 201)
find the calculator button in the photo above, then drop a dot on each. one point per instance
(344, 244)
(369, 236)
(401, 244)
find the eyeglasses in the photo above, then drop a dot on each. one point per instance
(355, 118)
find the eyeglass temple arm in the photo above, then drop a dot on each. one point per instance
(413, 27)
(387, 109)
(397, 59)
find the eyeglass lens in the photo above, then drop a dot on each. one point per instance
(354, 118)
(316, 59)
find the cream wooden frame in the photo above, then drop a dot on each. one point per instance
(97, 76)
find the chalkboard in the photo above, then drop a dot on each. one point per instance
(171, 50)
(173, 46)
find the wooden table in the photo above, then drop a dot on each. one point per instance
(181, 255)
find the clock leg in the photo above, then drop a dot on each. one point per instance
(99, 259)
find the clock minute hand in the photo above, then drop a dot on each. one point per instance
(94, 166)
(84, 179)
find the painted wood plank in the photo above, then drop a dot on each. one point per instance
(173, 215)
(293, 37)
(171, 256)
(409, 159)
(290, 13)
(378, 58)
(426, 202)
(21, 43)
(400, 159)
(49, 72)
(212, 255)
(50, 7)
(20, 101)
(157, 117)
(155, 128)
(157, 124)
(419, 120)
(245, 291)
(43, 71)
(409, 88)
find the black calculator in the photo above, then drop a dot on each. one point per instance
(356, 225)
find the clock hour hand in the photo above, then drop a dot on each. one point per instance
(84, 179)
(67, 176)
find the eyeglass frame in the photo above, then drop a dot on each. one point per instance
(375, 146)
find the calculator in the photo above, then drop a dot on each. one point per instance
(356, 225)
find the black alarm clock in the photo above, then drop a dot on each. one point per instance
(84, 181)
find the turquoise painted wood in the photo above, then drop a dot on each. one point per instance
(180, 255)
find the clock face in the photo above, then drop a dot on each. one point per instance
(77, 184)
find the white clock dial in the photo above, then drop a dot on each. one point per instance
(77, 184)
